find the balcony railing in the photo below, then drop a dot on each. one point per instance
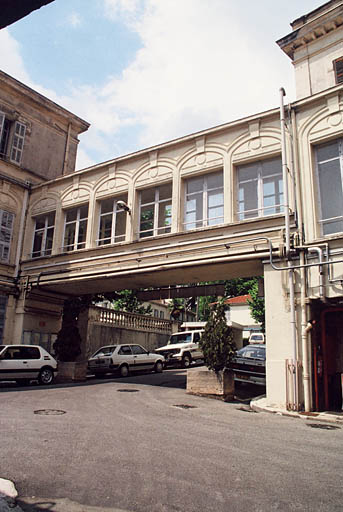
(131, 321)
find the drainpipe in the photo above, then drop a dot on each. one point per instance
(319, 251)
(288, 244)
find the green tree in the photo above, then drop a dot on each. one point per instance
(126, 300)
(217, 342)
(256, 305)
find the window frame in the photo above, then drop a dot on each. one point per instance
(338, 63)
(75, 245)
(113, 239)
(260, 208)
(320, 221)
(205, 221)
(43, 251)
(157, 203)
(5, 229)
(15, 133)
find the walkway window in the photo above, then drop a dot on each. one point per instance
(155, 211)
(204, 201)
(75, 228)
(260, 189)
(6, 227)
(44, 234)
(112, 225)
(330, 184)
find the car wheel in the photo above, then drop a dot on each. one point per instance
(158, 367)
(124, 370)
(46, 376)
(186, 361)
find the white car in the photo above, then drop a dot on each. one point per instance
(24, 363)
(124, 359)
(182, 348)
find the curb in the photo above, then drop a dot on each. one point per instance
(314, 416)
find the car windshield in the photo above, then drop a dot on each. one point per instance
(105, 351)
(252, 353)
(185, 337)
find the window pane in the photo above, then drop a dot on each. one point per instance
(40, 222)
(330, 186)
(49, 240)
(164, 218)
(215, 216)
(105, 227)
(215, 180)
(327, 151)
(107, 205)
(37, 243)
(248, 172)
(84, 212)
(271, 167)
(195, 185)
(82, 234)
(215, 199)
(69, 236)
(147, 221)
(248, 199)
(51, 219)
(165, 192)
(148, 196)
(120, 226)
(71, 215)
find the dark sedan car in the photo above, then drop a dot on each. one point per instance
(249, 364)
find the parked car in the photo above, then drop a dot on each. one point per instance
(124, 359)
(182, 348)
(257, 337)
(249, 364)
(24, 363)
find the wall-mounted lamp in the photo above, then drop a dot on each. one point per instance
(123, 206)
(227, 246)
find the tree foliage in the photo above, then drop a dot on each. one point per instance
(217, 342)
(126, 300)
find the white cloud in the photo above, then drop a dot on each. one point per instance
(74, 20)
(201, 63)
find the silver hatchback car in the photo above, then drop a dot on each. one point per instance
(124, 359)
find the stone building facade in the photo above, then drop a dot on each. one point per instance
(255, 196)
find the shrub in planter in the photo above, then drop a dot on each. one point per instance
(217, 342)
(218, 348)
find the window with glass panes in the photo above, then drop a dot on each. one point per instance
(12, 136)
(43, 235)
(204, 201)
(329, 161)
(155, 207)
(6, 227)
(260, 189)
(112, 225)
(75, 228)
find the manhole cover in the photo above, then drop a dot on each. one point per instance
(185, 406)
(127, 390)
(323, 427)
(52, 412)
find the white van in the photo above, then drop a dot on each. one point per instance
(182, 348)
(257, 337)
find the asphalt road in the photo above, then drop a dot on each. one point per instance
(142, 444)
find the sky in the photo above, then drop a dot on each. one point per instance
(143, 72)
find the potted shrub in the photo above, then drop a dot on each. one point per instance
(67, 346)
(218, 348)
